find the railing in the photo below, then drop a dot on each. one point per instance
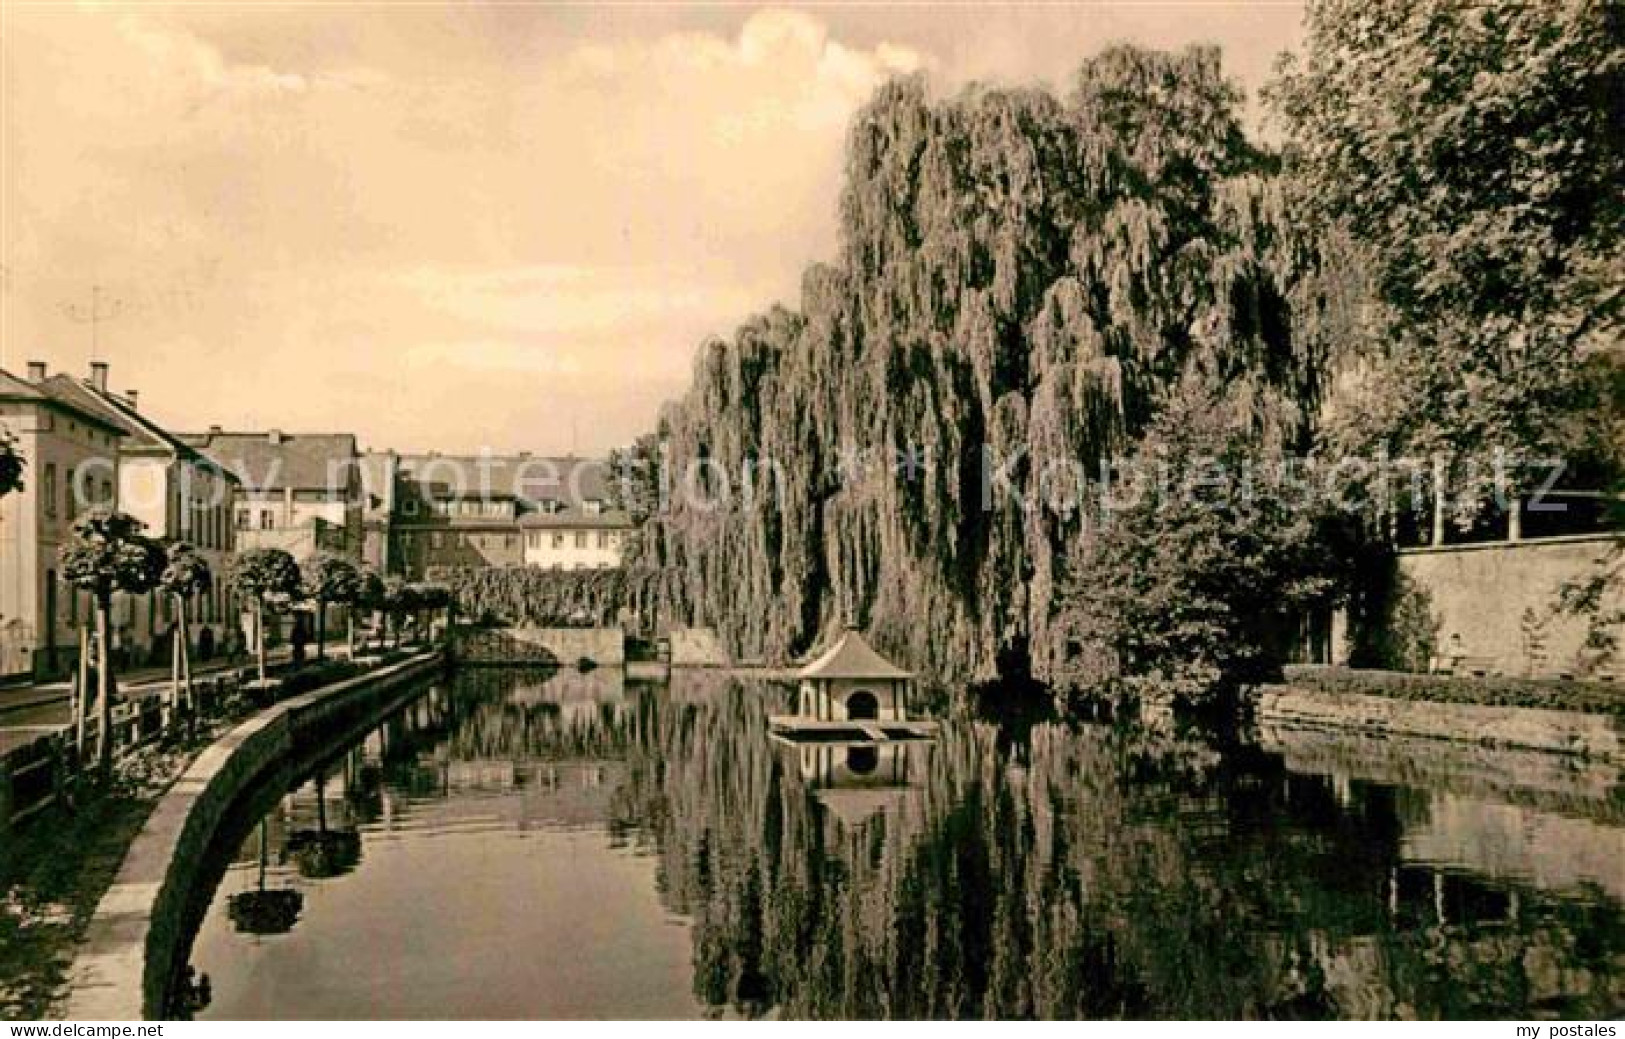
(41, 773)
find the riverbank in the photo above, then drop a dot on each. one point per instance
(1491, 714)
(151, 845)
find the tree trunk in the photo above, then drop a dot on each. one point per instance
(259, 636)
(349, 629)
(186, 656)
(104, 685)
(82, 705)
(321, 630)
(175, 670)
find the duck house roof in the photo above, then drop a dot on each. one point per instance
(852, 657)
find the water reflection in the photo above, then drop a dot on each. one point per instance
(527, 845)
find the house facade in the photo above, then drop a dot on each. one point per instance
(295, 491)
(72, 464)
(502, 510)
(179, 494)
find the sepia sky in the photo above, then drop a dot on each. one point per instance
(454, 227)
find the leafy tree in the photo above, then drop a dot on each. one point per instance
(369, 595)
(328, 578)
(11, 464)
(433, 597)
(107, 554)
(1198, 574)
(398, 601)
(1473, 150)
(186, 576)
(271, 579)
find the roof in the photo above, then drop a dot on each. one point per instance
(142, 432)
(276, 461)
(852, 657)
(57, 392)
(575, 519)
(535, 478)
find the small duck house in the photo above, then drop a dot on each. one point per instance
(850, 682)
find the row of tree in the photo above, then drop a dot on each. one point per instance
(109, 553)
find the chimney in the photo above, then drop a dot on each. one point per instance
(274, 436)
(215, 431)
(98, 375)
(134, 397)
(36, 371)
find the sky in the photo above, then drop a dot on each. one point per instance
(505, 226)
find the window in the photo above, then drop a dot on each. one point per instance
(267, 519)
(581, 539)
(558, 540)
(434, 539)
(411, 507)
(107, 492)
(592, 506)
(242, 519)
(48, 488)
(603, 539)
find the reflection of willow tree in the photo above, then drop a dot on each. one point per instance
(1088, 872)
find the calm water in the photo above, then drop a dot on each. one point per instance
(518, 845)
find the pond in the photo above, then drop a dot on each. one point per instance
(533, 845)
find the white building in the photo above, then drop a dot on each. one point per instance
(580, 536)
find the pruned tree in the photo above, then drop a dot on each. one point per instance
(107, 554)
(186, 576)
(11, 463)
(270, 578)
(328, 578)
(369, 595)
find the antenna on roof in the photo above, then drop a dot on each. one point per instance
(101, 308)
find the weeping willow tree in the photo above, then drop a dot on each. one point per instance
(1021, 278)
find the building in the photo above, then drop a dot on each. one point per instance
(583, 535)
(296, 491)
(501, 510)
(851, 682)
(380, 477)
(179, 494)
(73, 463)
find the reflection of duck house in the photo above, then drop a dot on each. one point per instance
(856, 781)
(851, 694)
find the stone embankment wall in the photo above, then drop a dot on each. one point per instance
(127, 960)
(696, 647)
(1498, 598)
(1595, 736)
(563, 647)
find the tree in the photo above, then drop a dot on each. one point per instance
(11, 464)
(433, 597)
(106, 554)
(186, 575)
(269, 577)
(1187, 591)
(369, 595)
(1473, 149)
(328, 578)
(397, 602)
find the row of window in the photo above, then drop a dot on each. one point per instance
(71, 603)
(539, 539)
(604, 539)
(58, 501)
(493, 509)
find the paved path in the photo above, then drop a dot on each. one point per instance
(29, 711)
